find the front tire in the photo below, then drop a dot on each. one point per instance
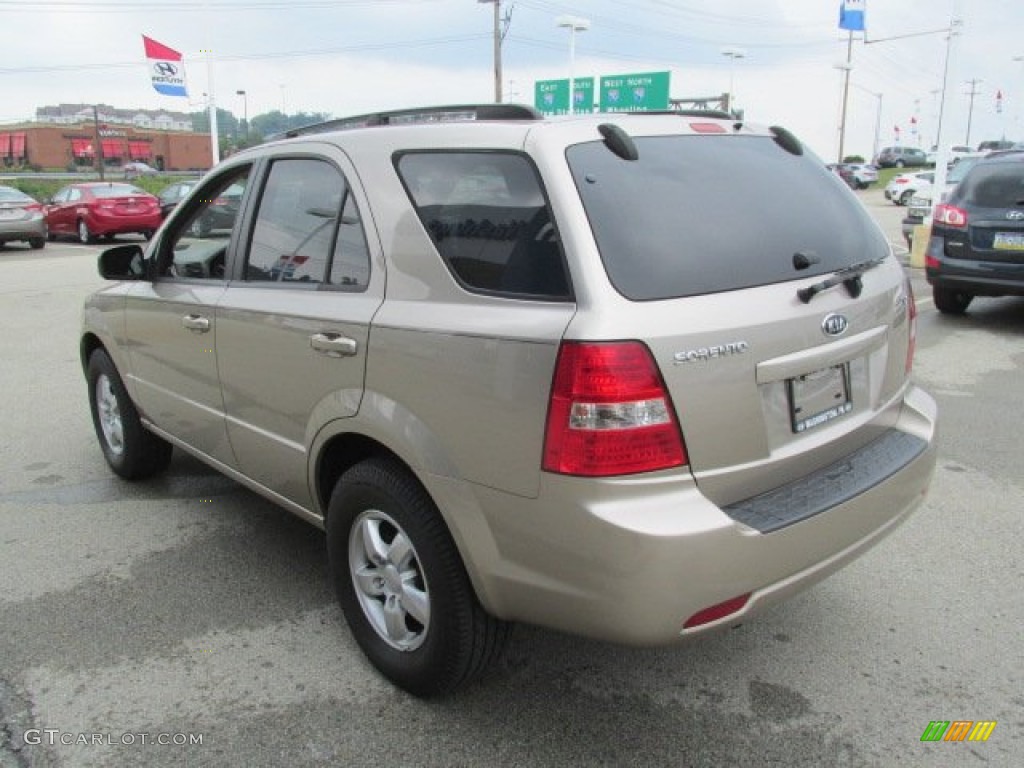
(402, 585)
(131, 451)
(950, 301)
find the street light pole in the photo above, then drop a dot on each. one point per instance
(970, 110)
(245, 112)
(574, 24)
(878, 119)
(1018, 59)
(732, 54)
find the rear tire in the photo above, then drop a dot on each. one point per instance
(402, 585)
(904, 199)
(131, 451)
(950, 301)
(84, 235)
(37, 242)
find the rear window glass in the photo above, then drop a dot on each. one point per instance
(11, 195)
(996, 185)
(116, 190)
(704, 214)
(489, 220)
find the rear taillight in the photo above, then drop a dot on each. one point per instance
(912, 327)
(900, 181)
(610, 413)
(33, 207)
(951, 216)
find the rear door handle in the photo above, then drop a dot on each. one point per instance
(196, 323)
(333, 344)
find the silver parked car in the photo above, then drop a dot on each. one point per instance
(528, 370)
(22, 218)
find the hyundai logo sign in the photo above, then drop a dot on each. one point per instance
(834, 324)
(166, 69)
(1015, 215)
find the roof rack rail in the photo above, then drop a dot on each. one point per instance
(442, 114)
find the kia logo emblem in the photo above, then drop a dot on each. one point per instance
(1015, 215)
(834, 325)
(166, 69)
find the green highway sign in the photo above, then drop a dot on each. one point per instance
(552, 96)
(635, 93)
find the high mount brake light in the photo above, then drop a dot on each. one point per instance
(610, 413)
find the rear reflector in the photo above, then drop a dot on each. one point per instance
(610, 413)
(716, 612)
(912, 331)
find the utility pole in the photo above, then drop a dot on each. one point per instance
(970, 110)
(846, 94)
(497, 47)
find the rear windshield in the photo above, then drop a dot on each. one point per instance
(994, 185)
(11, 195)
(117, 190)
(704, 214)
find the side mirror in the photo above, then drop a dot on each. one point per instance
(123, 262)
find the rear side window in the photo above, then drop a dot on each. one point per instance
(995, 185)
(703, 214)
(307, 221)
(116, 190)
(488, 218)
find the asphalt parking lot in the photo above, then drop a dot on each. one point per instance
(186, 621)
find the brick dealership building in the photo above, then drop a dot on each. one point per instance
(70, 135)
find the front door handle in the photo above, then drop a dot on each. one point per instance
(196, 323)
(333, 344)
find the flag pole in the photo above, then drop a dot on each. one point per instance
(214, 143)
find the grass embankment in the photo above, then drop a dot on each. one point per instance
(43, 188)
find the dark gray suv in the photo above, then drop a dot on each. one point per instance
(901, 157)
(977, 238)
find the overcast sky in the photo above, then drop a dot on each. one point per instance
(354, 56)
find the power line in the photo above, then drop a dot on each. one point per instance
(260, 56)
(99, 6)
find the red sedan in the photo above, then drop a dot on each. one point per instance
(102, 209)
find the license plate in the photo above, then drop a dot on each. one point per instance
(1009, 241)
(11, 213)
(819, 397)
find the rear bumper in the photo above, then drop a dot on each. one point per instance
(979, 278)
(22, 230)
(631, 559)
(115, 225)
